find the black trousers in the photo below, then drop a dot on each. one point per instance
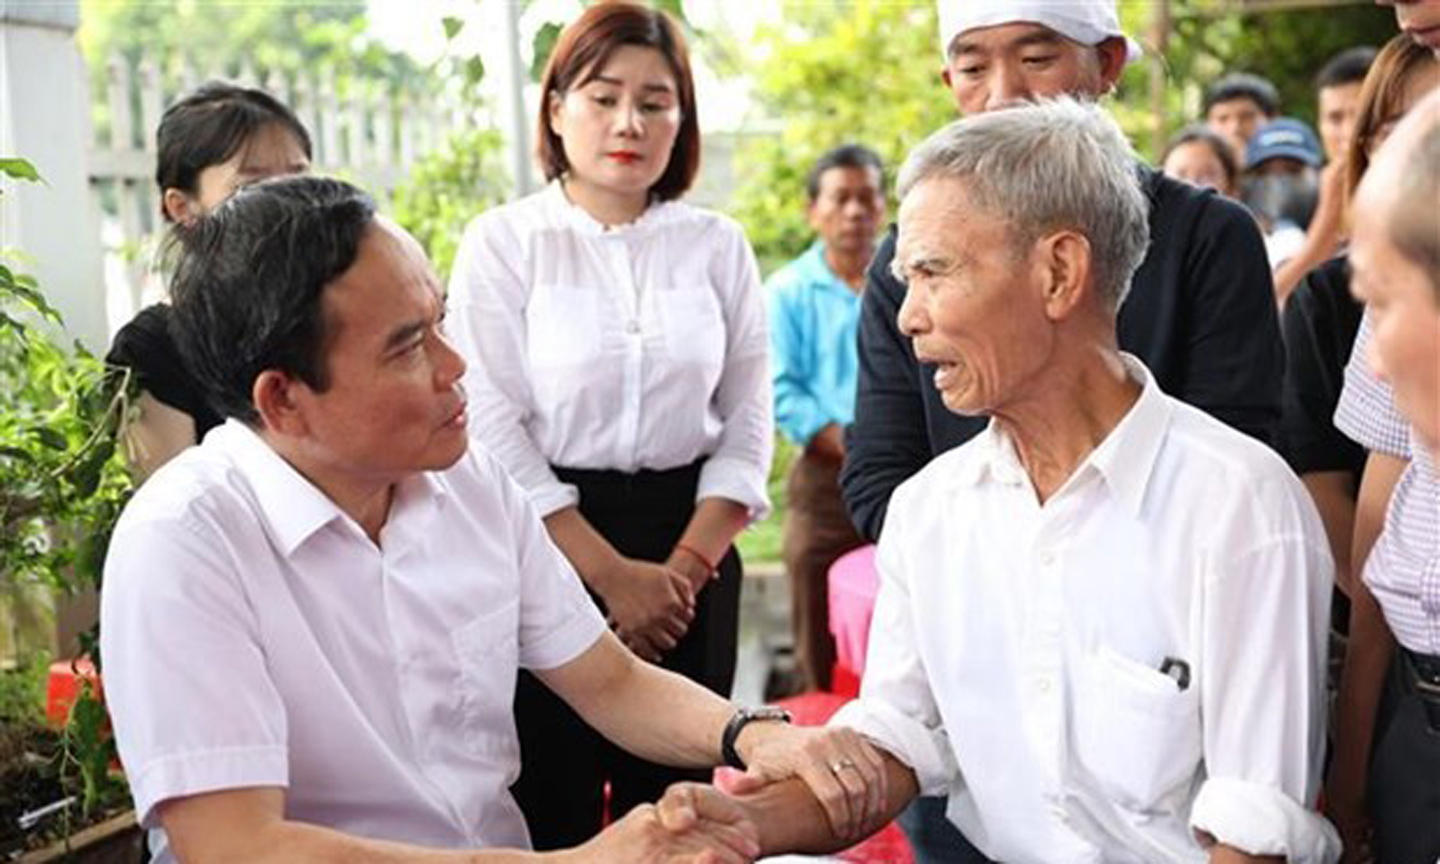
(564, 764)
(1405, 776)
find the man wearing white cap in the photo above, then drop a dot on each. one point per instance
(1101, 623)
(1201, 314)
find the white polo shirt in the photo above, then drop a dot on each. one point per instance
(1016, 650)
(254, 636)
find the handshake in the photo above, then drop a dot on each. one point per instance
(805, 789)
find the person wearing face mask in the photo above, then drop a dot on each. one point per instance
(1281, 184)
(210, 143)
(618, 369)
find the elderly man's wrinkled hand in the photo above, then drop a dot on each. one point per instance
(844, 771)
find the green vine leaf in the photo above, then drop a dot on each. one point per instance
(20, 169)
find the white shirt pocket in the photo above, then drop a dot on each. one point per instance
(694, 325)
(1135, 731)
(487, 655)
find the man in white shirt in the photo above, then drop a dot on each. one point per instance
(1101, 623)
(312, 622)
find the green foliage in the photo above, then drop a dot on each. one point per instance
(291, 38)
(760, 543)
(865, 72)
(62, 481)
(87, 749)
(22, 693)
(1207, 39)
(448, 188)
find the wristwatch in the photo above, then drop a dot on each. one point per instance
(742, 718)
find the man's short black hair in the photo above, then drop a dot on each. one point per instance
(1243, 85)
(249, 279)
(844, 156)
(210, 125)
(1347, 67)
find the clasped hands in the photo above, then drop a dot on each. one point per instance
(698, 824)
(650, 604)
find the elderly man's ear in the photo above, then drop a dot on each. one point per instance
(1063, 262)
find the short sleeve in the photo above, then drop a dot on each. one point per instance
(186, 681)
(558, 620)
(1367, 412)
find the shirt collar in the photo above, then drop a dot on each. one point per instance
(292, 508)
(657, 214)
(1125, 458)
(817, 270)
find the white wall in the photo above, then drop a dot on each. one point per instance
(45, 118)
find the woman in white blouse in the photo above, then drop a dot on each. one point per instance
(617, 350)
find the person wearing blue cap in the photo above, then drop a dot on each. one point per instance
(1281, 183)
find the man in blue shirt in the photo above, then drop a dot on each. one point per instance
(814, 310)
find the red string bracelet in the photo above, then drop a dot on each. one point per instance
(690, 550)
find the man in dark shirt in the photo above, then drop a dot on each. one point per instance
(1200, 314)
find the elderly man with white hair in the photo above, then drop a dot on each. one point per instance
(1201, 313)
(1101, 622)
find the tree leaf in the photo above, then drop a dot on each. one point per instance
(474, 71)
(452, 26)
(50, 438)
(543, 45)
(20, 169)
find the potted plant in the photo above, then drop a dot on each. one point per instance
(63, 482)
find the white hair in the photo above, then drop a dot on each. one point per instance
(1058, 164)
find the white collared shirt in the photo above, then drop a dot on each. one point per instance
(1015, 653)
(254, 636)
(636, 347)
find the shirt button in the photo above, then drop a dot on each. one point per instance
(633, 327)
(1060, 813)
(1047, 559)
(1043, 685)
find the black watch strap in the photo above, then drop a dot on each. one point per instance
(742, 718)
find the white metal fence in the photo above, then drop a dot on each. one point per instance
(370, 135)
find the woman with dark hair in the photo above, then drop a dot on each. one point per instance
(1201, 158)
(210, 143)
(617, 349)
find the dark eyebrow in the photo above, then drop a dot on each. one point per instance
(404, 334)
(616, 82)
(1038, 36)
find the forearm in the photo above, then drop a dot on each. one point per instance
(1382, 472)
(790, 818)
(1222, 854)
(1334, 495)
(648, 711)
(284, 842)
(713, 527)
(248, 825)
(1362, 679)
(590, 554)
